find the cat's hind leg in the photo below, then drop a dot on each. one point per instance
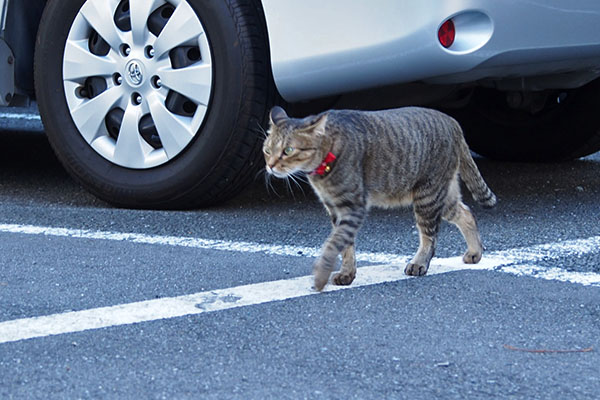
(460, 215)
(419, 264)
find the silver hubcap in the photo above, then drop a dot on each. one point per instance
(137, 78)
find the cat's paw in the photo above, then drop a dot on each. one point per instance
(415, 269)
(321, 277)
(343, 279)
(472, 257)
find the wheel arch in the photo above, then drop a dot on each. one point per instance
(20, 32)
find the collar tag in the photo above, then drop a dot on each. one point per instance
(325, 166)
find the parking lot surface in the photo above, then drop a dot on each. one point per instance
(100, 302)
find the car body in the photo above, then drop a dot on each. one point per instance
(352, 45)
(134, 93)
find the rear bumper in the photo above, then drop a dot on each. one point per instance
(321, 48)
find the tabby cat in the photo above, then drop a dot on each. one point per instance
(358, 159)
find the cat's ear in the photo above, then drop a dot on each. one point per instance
(277, 115)
(318, 127)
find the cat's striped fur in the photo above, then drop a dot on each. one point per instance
(385, 158)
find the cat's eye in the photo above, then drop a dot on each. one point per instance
(267, 151)
(288, 150)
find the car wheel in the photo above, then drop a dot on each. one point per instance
(155, 103)
(556, 126)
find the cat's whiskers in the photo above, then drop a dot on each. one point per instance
(290, 190)
(267, 179)
(270, 186)
(260, 172)
(260, 130)
(297, 178)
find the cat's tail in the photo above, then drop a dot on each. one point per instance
(472, 178)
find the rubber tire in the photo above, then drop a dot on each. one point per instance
(558, 133)
(224, 155)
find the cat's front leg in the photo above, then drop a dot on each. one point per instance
(340, 240)
(348, 270)
(321, 272)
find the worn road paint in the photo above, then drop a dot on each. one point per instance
(576, 247)
(208, 301)
(18, 116)
(515, 261)
(208, 244)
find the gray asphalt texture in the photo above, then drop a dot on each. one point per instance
(440, 336)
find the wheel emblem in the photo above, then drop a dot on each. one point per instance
(134, 72)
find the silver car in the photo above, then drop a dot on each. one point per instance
(162, 103)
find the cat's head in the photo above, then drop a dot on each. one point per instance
(294, 145)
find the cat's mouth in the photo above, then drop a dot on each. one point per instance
(276, 173)
(279, 173)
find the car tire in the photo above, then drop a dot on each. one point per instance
(565, 127)
(221, 110)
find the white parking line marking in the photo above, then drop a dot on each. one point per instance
(208, 244)
(554, 274)
(528, 255)
(259, 293)
(573, 248)
(209, 301)
(26, 117)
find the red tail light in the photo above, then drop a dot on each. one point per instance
(447, 33)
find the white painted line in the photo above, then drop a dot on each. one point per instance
(26, 117)
(524, 255)
(554, 274)
(203, 302)
(208, 244)
(573, 248)
(259, 293)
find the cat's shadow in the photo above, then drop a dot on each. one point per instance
(29, 170)
(528, 183)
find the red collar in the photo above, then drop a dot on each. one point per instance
(325, 166)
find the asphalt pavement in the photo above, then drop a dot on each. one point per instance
(526, 325)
